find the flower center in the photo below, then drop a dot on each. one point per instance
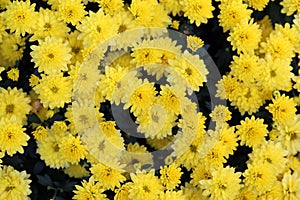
(146, 189)
(188, 71)
(56, 148)
(193, 148)
(155, 118)
(98, 29)
(122, 28)
(10, 108)
(54, 89)
(47, 26)
(9, 188)
(50, 55)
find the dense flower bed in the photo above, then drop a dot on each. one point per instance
(147, 99)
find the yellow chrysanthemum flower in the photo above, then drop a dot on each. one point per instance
(276, 192)
(157, 122)
(58, 126)
(259, 178)
(96, 28)
(14, 185)
(126, 36)
(141, 189)
(11, 50)
(49, 148)
(84, 78)
(252, 132)
(149, 14)
(282, 108)
(145, 55)
(89, 190)
(291, 185)
(170, 176)
(248, 97)
(224, 184)
(227, 87)
(188, 147)
(232, 13)
(81, 115)
(108, 177)
(40, 133)
(200, 172)
(100, 148)
(290, 135)
(20, 17)
(141, 11)
(14, 103)
(258, 4)
(194, 43)
(12, 136)
(245, 67)
(189, 71)
(70, 11)
(111, 7)
(72, 149)
(110, 80)
(142, 98)
(290, 32)
(220, 114)
(51, 56)
(77, 170)
(13, 74)
(245, 36)
(197, 11)
(214, 157)
(227, 141)
(271, 154)
(33, 80)
(155, 55)
(48, 25)
(76, 50)
(123, 192)
(278, 46)
(172, 6)
(112, 133)
(54, 90)
(170, 98)
(290, 6)
(278, 75)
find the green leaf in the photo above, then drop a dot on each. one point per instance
(33, 118)
(59, 198)
(69, 186)
(38, 167)
(45, 180)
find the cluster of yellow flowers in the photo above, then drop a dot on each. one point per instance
(76, 76)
